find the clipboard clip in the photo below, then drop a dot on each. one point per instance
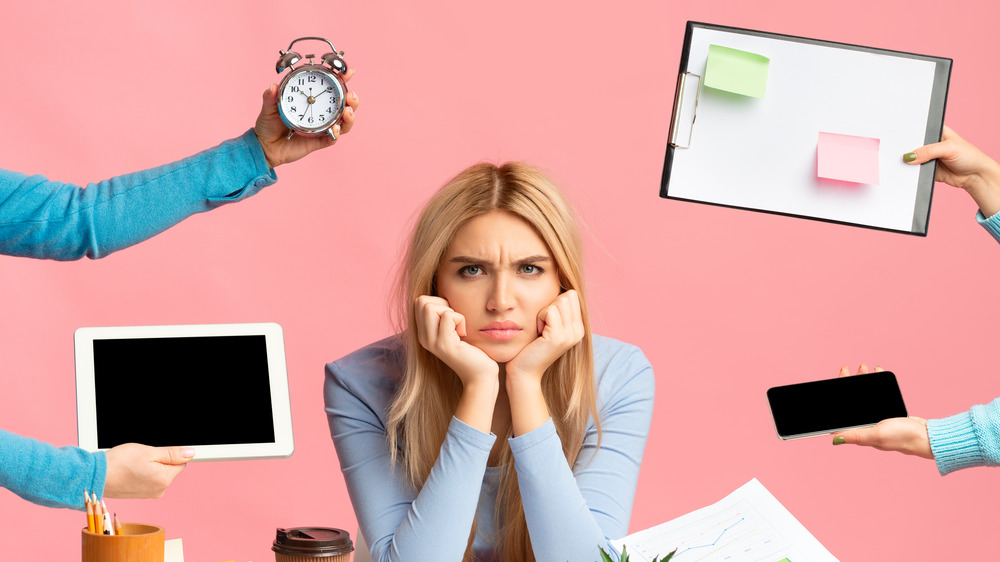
(685, 110)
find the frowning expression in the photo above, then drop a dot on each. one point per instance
(499, 274)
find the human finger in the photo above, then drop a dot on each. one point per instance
(269, 99)
(173, 455)
(844, 372)
(861, 436)
(451, 321)
(352, 100)
(549, 317)
(346, 121)
(863, 369)
(570, 327)
(349, 74)
(574, 313)
(425, 319)
(943, 149)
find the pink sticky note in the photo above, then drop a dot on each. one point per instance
(847, 158)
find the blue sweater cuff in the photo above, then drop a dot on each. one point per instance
(252, 157)
(992, 224)
(954, 444)
(256, 152)
(100, 476)
(533, 437)
(470, 435)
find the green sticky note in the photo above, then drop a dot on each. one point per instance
(784, 560)
(736, 71)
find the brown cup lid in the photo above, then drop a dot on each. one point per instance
(315, 542)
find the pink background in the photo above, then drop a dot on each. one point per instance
(725, 303)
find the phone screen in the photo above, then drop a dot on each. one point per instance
(818, 407)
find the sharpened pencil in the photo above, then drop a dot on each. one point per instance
(109, 529)
(90, 512)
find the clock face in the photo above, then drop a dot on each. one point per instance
(311, 99)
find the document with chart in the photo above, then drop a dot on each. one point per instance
(748, 525)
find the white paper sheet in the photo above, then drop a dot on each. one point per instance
(173, 550)
(748, 525)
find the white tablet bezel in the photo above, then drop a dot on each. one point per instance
(86, 404)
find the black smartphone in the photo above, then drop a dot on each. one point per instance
(819, 407)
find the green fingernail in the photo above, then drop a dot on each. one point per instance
(839, 440)
(909, 157)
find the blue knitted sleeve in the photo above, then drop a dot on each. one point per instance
(48, 475)
(968, 439)
(47, 219)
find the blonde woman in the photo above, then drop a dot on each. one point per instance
(494, 426)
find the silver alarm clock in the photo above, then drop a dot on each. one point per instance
(311, 96)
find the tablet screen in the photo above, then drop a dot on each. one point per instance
(206, 386)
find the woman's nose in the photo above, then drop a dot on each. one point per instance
(501, 295)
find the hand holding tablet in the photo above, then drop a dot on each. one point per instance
(139, 471)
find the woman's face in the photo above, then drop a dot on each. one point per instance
(498, 273)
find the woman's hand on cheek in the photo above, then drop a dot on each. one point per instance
(560, 327)
(440, 330)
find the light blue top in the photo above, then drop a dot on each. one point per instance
(52, 220)
(570, 511)
(971, 438)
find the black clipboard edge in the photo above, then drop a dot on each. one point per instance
(925, 183)
(935, 128)
(794, 216)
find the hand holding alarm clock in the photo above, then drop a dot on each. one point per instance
(309, 109)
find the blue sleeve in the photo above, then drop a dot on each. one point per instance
(968, 439)
(398, 522)
(49, 476)
(52, 220)
(992, 224)
(570, 513)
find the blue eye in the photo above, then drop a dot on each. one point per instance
(470, 271)
(530, 269)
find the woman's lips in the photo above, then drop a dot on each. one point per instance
(501, 330)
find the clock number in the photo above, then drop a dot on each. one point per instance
(294, 89)
(290, 98)
(293, 109)
(301, 81)
(312, 78)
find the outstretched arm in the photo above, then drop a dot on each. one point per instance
(57, 476)
(47, 219)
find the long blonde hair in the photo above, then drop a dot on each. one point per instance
(422, 409)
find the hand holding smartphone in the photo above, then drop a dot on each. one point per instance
(825, 406)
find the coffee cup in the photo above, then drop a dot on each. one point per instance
(312, 544)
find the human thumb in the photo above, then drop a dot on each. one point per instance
(174, 455)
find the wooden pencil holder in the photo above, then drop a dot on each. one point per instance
(137, 543)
